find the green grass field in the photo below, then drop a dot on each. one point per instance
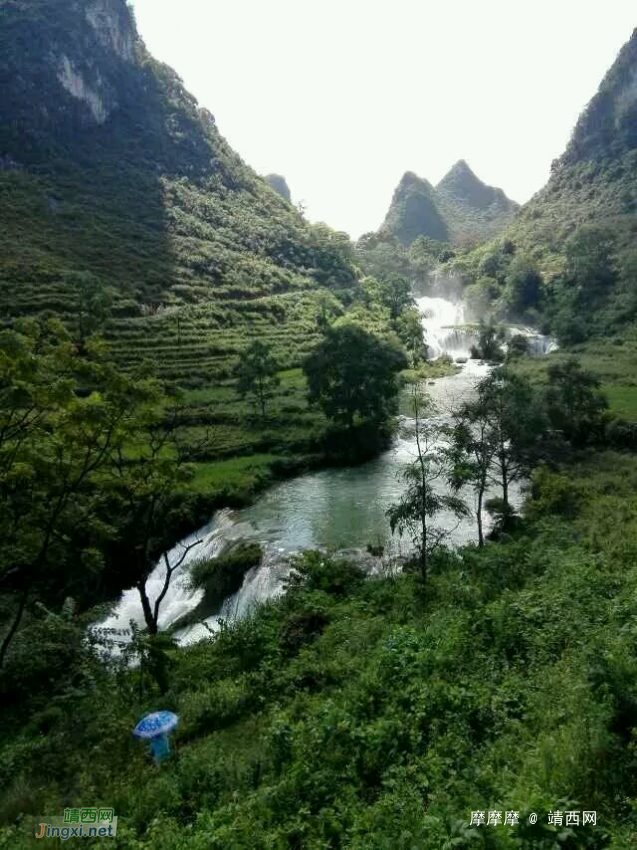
(612, 360)
(245, 452)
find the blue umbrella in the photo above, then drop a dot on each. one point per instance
(156, 724)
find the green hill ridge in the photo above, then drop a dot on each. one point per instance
(280, 185)
(596, 177)
(109, 167)
(568, 259)
(461, 209)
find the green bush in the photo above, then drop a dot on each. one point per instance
(220, 577)
(316, 571)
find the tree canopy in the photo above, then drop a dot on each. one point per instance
(353, 373)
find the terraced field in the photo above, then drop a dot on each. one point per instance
(198, 253)
(198, 343)
(186, 295)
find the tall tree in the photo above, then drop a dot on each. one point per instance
(256, 374)
(93, 301)
(148, 494)
(426, 478)
(61, 418)
(353, 373)
(411, 333)
(523, 287)
(513, 423)
(396, 295)
(575, 403)
(489, 345)
(472, 452)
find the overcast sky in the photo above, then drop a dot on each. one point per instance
(343, 96)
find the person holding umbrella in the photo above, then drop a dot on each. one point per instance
(155, 728)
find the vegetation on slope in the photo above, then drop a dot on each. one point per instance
(115, 183)
(350, 713)
(461, 209)
(279, 184)
(473, 210)
(110, 168)
(579, 231)
(362, 713)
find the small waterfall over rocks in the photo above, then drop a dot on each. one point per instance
(539, 344)
(265, 581)
(181, 597)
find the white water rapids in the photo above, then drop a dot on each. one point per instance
(341, 509)
(448, 332)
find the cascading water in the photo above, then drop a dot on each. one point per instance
(539, 344)
(445, 332)
(341, 510)
(448, 333)
(181, 597)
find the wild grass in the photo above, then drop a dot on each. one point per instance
(612, 360)
(362, 715)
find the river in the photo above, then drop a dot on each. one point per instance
(338, 509)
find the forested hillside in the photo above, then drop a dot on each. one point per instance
(411, 689)
(568, 259)
(279, 184)
(109, 169)
(461, 209)
(124, 212)
(426, 226)
(595, 180)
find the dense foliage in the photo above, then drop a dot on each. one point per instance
(353, 374)
(361, 714)
(351, 712)
(570, 252)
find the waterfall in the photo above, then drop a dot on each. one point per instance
(265, 581)
(445, 332)
(539, 344)
(181, 597)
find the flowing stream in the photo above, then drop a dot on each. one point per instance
(339, 509)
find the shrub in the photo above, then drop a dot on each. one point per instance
(316, 571)
(301, 627)
(222, 576)
(216, 706)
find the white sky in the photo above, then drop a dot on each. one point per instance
(343, 96)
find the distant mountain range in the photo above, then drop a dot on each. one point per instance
(109, 167)
(461, 209)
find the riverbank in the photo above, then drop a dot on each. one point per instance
(329, 500)
(369, 706)
(245, 454)
(335, 508)
(377, 710)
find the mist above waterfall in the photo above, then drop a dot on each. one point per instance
(441, 282)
